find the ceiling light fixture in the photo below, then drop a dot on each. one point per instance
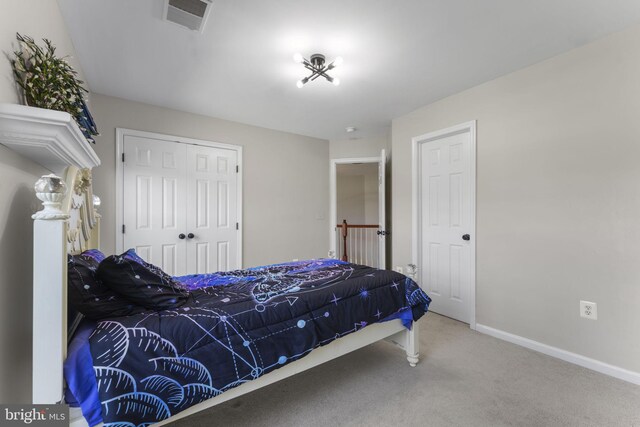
(316, 64)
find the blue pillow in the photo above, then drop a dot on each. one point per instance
(95, 254)
(142, 283)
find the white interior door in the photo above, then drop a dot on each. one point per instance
(180, 205)
(154, 204)
(446, 218)
(382, 218)
(212, 222)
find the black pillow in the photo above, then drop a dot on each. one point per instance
(141, 282)
(90, 296)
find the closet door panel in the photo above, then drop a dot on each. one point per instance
(154, 205)
(211, 209)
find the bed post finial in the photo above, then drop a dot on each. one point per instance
(51, 190)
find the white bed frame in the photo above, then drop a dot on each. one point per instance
(70, 224)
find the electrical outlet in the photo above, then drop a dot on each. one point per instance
(399, 269)
(589, 310)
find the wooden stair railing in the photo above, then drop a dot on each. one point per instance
(344, 227)
(345, 232)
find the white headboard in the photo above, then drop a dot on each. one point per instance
(68, 224)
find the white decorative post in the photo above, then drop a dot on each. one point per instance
(49, 291)
(95, 230)
(413, 345)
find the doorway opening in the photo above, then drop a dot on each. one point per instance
(358, 210)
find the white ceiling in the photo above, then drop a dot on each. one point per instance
(398, 55)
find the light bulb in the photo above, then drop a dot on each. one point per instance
(338, 61)
(298, 57)
(336, 82)
(299, 84)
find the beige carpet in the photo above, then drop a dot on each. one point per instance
(464, 379)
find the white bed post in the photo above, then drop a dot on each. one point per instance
(412, 346)
(49, 291)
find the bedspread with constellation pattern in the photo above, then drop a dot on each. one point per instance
(236, 327)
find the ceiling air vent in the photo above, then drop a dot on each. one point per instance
(191, 14)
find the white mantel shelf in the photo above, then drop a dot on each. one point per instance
(50, 138)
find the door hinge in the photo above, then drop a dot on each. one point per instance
(237, 168)
(123, 228)
(237, 226)
(122, 157)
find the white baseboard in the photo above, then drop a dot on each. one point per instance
(567, 356)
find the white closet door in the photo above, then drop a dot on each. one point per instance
(155, 201)
(212, 215)
(446, 219)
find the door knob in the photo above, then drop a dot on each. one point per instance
(191, 235)
(466, 237)
(181, 236)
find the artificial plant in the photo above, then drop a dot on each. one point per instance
(48, 81)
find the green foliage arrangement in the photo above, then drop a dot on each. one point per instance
(51, 82)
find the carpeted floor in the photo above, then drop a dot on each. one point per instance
(463, 379)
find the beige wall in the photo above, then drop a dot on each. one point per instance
(37, 19)
(350, 197)
(357, 193)
(558, 197)
(284, 180)
(365, 147)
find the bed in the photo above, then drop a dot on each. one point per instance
(233, 333)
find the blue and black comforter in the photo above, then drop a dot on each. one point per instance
(235, 327)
